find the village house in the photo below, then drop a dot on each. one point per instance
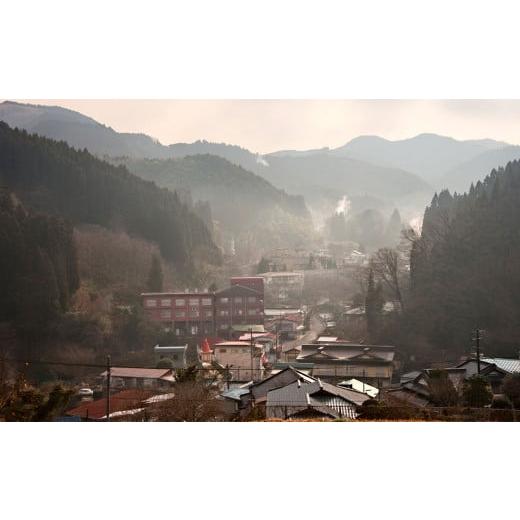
(316, 399)
(243, 359)
(373, 364)
(142, 378)
(493, 369)
(176, 354)
(123, 404)
(235, 401)
(277, 379)
(290, 352)
(414, 388)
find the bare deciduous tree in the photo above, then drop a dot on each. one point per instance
(386, 266)
(193, 402)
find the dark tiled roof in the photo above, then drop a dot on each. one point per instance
(301, 394)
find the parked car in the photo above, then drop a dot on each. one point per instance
(85, 392)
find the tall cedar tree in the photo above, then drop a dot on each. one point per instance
(38, 268)
(373, 306)
(51, 177)
(464, 267)
(155, 278)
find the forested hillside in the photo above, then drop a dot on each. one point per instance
(38, 267)
(52, 177)
(240, 201)
(464, 268)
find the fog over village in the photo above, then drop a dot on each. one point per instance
(203, 280)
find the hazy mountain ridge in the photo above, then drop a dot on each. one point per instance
(79, 131)
(245, 206)
(463, 175)
(426, 155)
(324, 177)
(400, 173)
(229, 188)
(51, 177)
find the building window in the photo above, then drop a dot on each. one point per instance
(194, 313)
(251, 299)
(180, 314)
(239, 312)
(223, 312)
(206, 301)
(151, 303)
(251, 312)
(209, 314)
(166, 302)
(194, 301)
(166, 315)
(180, 302)
(222, 350)
(224, 300)
(223, 326)
(194, 330)
(238, 299)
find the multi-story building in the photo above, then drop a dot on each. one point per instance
(187, 314)
(283, 288)
(237, 305)
(253, 282)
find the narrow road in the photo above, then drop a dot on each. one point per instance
(316, 328)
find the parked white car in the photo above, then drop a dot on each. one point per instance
(85, 392)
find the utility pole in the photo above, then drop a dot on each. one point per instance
(107, 410)
(477, 345)
(251, 340)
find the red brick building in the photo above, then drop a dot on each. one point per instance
(202, 314)
(187, 313)
(238, 305)
(252, 282)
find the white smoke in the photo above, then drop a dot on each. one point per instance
(416, 223)
(343, 206)
(261, 160)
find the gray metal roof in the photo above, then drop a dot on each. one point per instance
(509, 365)
(345, 352)
(235, 393)
(300, 394)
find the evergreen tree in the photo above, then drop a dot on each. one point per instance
(263, 266)
(476, 392)
(155, 277)
(373, 306)
(393, 229)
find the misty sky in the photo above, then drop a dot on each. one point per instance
(268, 125)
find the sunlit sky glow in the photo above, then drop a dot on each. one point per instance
(268, 125)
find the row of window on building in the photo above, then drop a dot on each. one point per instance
(196, 302)
(167, 314)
